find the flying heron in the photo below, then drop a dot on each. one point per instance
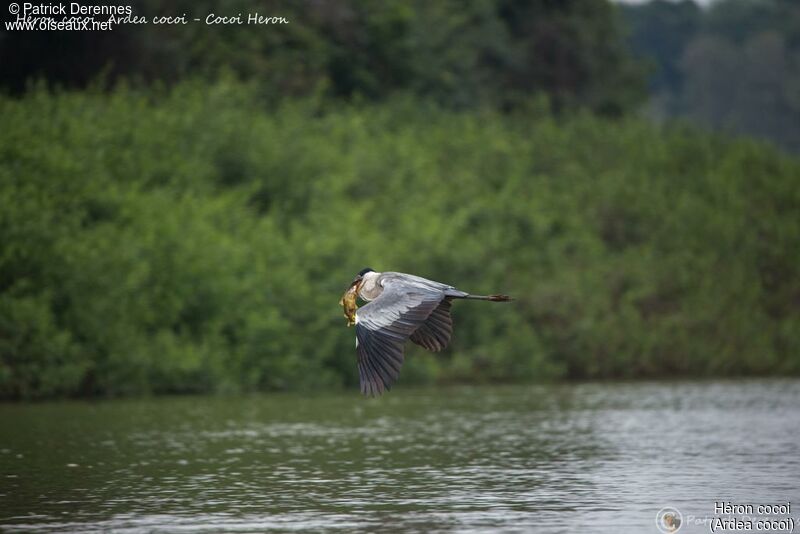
(400, 307)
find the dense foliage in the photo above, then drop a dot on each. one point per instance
(733, 66)
(194, 240)
(461, 53)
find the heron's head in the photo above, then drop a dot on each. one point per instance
(360, 276)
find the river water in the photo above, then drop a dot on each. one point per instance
(565, 458)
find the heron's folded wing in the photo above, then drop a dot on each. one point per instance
(382, 328)
(434, 334)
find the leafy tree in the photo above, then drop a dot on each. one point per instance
(494, 53)
(151, 246)
(733, 66)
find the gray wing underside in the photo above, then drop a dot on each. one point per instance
(434, 334)
(409, 307)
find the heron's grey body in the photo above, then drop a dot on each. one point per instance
(401, 307)
(372, 285)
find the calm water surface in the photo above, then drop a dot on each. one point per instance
(591, 458)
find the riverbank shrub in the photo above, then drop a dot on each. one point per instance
(196, 240)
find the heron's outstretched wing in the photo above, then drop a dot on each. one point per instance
(384, 325)
(434, 334)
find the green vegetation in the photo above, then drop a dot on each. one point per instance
(460, 53)
(734, 66)
(195, 239)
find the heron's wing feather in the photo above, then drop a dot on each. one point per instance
(384, 325)
(410, 280)
(434, 334)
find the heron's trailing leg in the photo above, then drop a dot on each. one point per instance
(492, 298)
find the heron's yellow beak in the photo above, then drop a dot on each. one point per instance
(348, 301)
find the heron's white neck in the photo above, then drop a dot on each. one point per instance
(370, 288)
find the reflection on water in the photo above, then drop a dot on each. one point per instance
(532, 458)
